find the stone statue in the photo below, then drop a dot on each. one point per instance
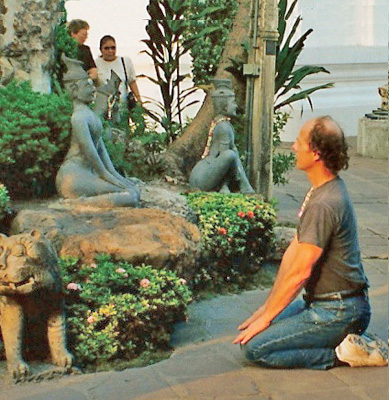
(383, 92)
(220, 165)
(87, 172)
(30, 288)
(107, 99)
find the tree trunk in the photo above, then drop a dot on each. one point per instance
(187, 149)
(27, 41)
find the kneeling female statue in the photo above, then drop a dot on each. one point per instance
(87, 171)
(220, 165)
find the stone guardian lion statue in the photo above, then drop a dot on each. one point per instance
(30, 285)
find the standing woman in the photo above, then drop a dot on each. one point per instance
(121, 65)
(78, 30)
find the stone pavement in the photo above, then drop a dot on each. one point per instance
(206, 365)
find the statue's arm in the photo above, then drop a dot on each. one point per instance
(110, 167)
(224, 136)
(82, 132)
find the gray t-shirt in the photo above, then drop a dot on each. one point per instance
(329, 222)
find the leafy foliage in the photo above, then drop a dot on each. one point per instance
(136, 148)
(166, 45)
(35, 132)
(282, 162)
(236, 231)
(288, 78)
(214, 29)
(165, 28)
(4, 202)
(64, 44)
(119, 311)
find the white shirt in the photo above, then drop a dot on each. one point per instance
(104, 73)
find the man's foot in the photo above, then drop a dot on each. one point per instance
(363, 351)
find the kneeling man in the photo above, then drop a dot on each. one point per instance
(324, 259)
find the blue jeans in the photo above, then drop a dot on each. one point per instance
(305, 335)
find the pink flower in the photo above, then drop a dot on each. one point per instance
(250, 214)
(91, 319)
(144, 283)
(182, 281)
(222, 231)
(93, 266)
(241, 214)
(73, 286)
(120, 270)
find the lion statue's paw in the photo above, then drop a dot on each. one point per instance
(18, 371)
(63, 360)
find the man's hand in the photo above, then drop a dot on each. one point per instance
(253, 329)
(251, 319)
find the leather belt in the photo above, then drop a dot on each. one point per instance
(335, 296)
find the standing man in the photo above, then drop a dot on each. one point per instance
(78, 30)
(324, 259)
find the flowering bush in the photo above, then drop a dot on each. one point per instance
(237, 232)
(4, 202)
(119, 311)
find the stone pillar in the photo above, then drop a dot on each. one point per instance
(27, 41)
(265, 41)
(373, 135)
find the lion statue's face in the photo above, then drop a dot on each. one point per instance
(28, 263)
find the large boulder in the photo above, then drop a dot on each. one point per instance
(149, 236)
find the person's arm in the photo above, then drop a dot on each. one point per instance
(295, 270)
(135, 90)
(93, 73)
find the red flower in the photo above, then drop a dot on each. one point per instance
(222, 231)
(241, 214)
(250, 214)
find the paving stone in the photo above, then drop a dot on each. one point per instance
(60, 394)
(223, 385)
(330, 394)
(293, 381)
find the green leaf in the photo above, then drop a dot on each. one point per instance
(304, 94)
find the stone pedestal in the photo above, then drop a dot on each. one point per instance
(373, 137)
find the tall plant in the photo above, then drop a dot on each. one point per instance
(288, 78)
(166, 47)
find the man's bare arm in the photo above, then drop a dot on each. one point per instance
(295, 270)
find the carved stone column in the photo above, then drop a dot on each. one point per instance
(27, 41)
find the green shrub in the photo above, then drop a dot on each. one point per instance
(4, 202)
(237, 232)
(34, 135)
(120, 311)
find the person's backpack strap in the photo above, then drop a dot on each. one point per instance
(125, 71)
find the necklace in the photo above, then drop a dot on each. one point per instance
(210, 134)
(305, 202)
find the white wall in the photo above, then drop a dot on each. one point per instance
(350, 39)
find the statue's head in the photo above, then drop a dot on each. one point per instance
(77, 81)
(223, 97)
